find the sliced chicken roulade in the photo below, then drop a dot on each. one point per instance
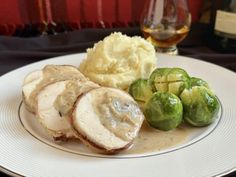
(107, 119)
(35, 81)
(29, 85)
(33, 76)
(55, 103)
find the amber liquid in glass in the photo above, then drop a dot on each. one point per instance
(165, 38)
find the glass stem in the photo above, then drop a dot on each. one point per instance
(170, 50)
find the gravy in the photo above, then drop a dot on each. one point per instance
(153, 140)
(119, 115)
(54, 73)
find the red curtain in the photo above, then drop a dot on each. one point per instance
(74, 14)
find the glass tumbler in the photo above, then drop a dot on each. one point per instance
(165, 23)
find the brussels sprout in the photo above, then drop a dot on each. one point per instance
(194, 81)
(200, 106)
(140, 90)
(164, 111)
(158, 79)
(173, 80)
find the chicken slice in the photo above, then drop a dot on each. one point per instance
(30, 83)
(33, 76)
(107, 119)
(55, 103)
(35, 81)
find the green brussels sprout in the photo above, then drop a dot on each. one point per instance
(194, 81)
(200, 106)
(158, 79)
(140, 90)
(164, 111)
(173, 80)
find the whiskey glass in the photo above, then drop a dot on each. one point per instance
(165, 23)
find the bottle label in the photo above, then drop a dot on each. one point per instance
(225, 22)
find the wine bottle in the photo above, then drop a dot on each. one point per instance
(223, 25)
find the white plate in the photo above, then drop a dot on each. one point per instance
(210, 151)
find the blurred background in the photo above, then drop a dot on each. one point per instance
(31, 18)
(26, 18)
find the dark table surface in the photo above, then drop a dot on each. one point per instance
(16, 52)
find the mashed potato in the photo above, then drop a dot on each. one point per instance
(118, 60)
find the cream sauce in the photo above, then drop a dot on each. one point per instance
(148, 139)
(66, 100)
(54, 73)
(152, 140)
(118, 114)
